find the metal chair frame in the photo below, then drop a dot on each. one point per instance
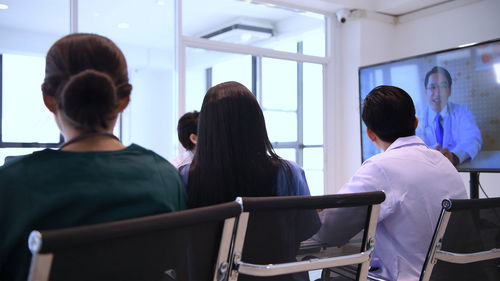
(363, 257)
(44, 244)
(435, 253)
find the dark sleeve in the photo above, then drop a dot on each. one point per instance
(308, 221)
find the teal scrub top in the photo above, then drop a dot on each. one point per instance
(53, 189)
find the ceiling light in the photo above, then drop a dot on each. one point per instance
(4, 6)
(123, 25)
(241, 33)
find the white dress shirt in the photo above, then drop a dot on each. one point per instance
(415, 180)
(183, 159)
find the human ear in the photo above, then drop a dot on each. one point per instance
(373, 137)
(50, 103)
(416, 122)
(123, 103)
(193, 138)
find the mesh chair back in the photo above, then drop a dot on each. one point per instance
(272, 238)
(466, 242)
(181, 245)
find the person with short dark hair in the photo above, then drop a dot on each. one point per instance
(447, 126)
(92, 178)
(187, 128)
(415, 179)
(234, 157)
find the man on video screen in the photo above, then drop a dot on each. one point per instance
(446, 126)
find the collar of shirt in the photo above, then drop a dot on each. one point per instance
(431, 114)
(406, 141)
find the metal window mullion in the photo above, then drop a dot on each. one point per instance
(254, 75)
(258, 80)
(1, 97)
(180, 60)
(226, 47)
(73, 16)
(208, 78)
(27, 145)
(293, 145)
(300, 107)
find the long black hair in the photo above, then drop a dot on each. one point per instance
(234, 156)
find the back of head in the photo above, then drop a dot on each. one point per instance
(187, 125)
(232, 123)
(234, 156)
(87, 75)
(440, 70)
(389, 112)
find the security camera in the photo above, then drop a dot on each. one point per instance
(342, 15)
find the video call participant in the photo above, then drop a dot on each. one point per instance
(234, 157)
(447, 126)
(93, 177)
(415, 179)
(186, 131)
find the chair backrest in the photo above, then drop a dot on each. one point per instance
(466, 242)
(185, 245)
(271, 231)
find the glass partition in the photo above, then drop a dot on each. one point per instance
(256, 24)
(26, 124)
(145, 34)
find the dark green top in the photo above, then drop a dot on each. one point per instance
(53, 189)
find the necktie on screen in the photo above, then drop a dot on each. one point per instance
(439, 130)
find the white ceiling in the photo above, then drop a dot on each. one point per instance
(152, 24)
(389, 7)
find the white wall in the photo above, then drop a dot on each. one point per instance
(372, 39)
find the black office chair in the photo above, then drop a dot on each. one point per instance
(466, 242)
(271, 229)
(184, 245)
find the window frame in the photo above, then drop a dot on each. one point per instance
(19, 144)
(183, 42)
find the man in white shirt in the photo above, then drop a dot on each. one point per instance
(447, 126)
(414, 178)
(187, 128)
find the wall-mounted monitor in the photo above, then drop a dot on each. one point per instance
(462, 85)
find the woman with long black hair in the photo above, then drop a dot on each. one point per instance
(234, 157)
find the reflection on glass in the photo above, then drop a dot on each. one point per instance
(233, 68)
(281, 126)
(286, 153)
(145, 35)
(315, 181)
(253, 23)
(313, 167)
(206, 68)
(24, 116)
(313, 104)
(279, 84)
(313, 42)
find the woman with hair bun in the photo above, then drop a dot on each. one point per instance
(92, 177)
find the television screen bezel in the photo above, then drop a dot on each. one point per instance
(465, 46)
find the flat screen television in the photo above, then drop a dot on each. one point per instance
(472, 106)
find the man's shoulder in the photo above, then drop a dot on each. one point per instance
(455, 108)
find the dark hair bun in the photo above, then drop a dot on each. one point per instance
(89, 99)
